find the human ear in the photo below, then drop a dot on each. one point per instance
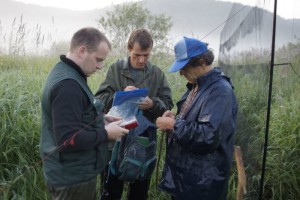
(202, 62)
(82, 50)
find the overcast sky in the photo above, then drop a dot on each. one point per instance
(76, 4)
(285, 8)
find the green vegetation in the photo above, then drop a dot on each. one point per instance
(22, 77)
(250, 75)
(20, 85)
(122, 19)
(21, 82)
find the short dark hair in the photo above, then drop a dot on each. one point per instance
(90, 37)
(141, 36)
(206, 58)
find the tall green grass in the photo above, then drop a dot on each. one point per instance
(251, 80)
(20, 85)
(21, 82)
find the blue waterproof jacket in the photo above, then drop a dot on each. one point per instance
(200, 150)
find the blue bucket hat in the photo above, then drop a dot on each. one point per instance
(185, 49)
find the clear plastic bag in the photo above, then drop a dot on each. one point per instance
(127, 108)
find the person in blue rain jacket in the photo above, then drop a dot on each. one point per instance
(201, 134)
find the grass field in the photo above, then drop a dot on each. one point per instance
(21, 82)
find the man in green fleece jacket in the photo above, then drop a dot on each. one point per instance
(75, 133)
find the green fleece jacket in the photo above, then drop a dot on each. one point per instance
(64, 168)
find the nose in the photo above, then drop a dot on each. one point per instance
(99, 65)
(141, 58)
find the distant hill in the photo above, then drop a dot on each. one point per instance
(190, 18)
(193, 18)
(204, 19)
(55, 24)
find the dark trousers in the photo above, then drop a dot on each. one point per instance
(112, 188)
(85, 190)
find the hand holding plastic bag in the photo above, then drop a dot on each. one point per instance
(110, 118)
(115, 131)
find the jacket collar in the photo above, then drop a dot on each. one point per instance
(207, 78)
(72, 64)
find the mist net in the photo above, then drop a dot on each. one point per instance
(245, 56)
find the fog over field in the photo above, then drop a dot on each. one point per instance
(201, 19)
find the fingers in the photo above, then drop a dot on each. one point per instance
(160, 123)
(130, 87)
(165, 123)
(111, 118)
(146, 104)
(124, 131)
(168, 113)
(115, 131)
(118, 121)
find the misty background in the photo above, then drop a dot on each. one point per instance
(193, 18)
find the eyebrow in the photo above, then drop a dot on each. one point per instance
(138, 54)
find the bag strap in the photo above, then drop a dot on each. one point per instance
(167, 133)
(159, 155)
(112, 164)
(146, 164)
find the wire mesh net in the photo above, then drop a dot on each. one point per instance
(245, 55)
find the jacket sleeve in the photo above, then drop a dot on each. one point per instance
(203, 135)
(163, 100)
(68, 107)
(107, 90)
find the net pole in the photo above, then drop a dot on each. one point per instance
(269, 103)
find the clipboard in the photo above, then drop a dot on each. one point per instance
(123, 96)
